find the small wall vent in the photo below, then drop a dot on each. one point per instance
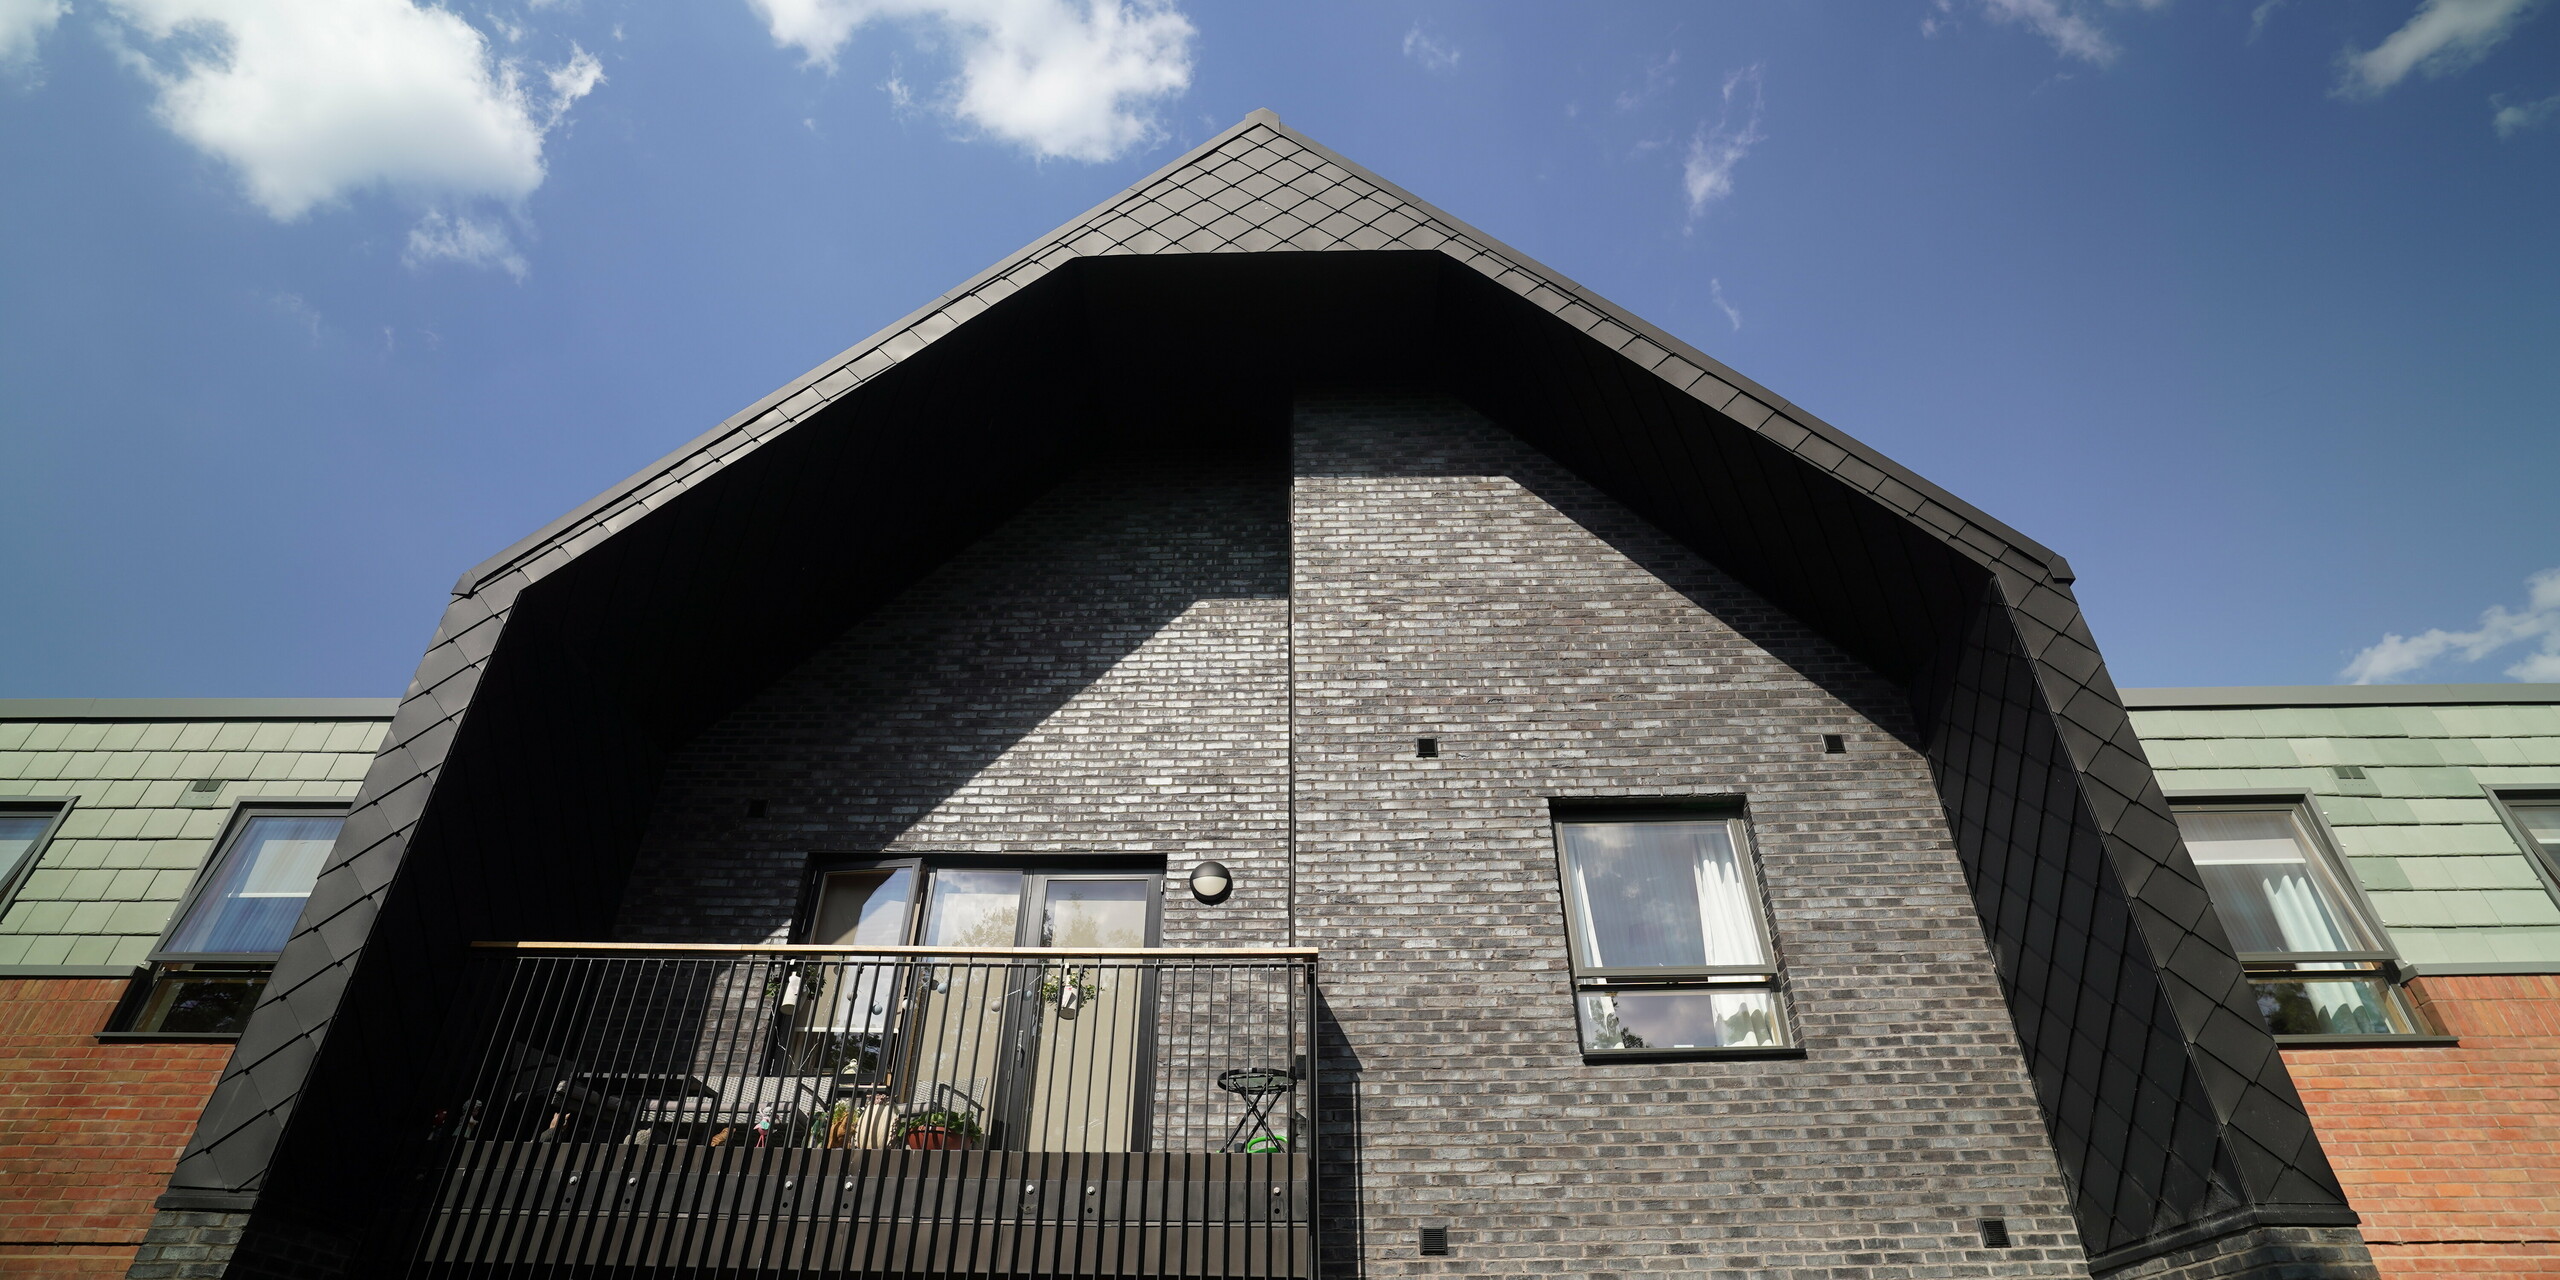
(2348, 772)
(1435, 1242)
(203, 793)
(1834, 745)
(1426, 748)
(755, 808)
(1995, 1233)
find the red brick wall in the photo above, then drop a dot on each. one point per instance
(88, 1131)
(2452, 1156)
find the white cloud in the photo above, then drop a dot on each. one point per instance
(473, 242)
(569, 82)
(1434, 55)
(298, 309)
(23, 23)
(2258, 17)
(2442, 37)
(1658, 78)
(1732, 313)
(1715, 150)
(2512, 120)
(310, 100)
(2071, 35)
(1067, 78)
(2499, 628)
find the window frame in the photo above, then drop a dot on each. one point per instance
(2324, 857)
(1583, 979)
(60, 808)
(1035, 872)
(2545, 858)
(147, 977)
(242, 814)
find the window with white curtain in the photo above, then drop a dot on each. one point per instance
(2320, 967)
(1670, 946)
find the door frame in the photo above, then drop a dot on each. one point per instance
(1009, 1109)
(1023, 1020)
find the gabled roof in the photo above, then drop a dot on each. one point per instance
(567, 666)
(1261, 187)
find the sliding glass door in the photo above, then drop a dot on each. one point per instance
(1030, 1055)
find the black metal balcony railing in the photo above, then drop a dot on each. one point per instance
(799, 1111)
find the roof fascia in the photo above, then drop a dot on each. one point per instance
(526, 547)
(2341, 695)
(198, 708)
(550, 533)
(2053, 560)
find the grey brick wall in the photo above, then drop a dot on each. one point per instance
(1112, 672)
(1452, 583)
(186, 1245)
(1105, 674)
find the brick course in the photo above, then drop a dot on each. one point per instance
(1103, 674)
(88, 1131)
(2452, 1156)
(1451, 582)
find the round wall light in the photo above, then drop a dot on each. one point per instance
(1210, 881)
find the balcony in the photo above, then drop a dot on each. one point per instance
(805, 1111)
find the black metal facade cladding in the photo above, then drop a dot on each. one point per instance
(515, 780)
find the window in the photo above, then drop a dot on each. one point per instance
(2320, 967)
(208, 972)
(1671, 953)
(2540, 818)
(24, 826)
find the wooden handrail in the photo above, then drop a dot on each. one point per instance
(779, 948)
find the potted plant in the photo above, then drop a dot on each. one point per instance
(939, 1131)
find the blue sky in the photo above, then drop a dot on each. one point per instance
(2251, 309)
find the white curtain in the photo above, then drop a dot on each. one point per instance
(1730, 917)
(2257, 864)
(1662, 895)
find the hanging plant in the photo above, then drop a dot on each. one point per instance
(1055, 985)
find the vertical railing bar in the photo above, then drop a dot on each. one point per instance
(643, 1022)
(756, 1051)
(928, 1191)
(803, 1139)
(524, 1161)
(560, 1160)
(516, 1226)
(889, 1181)
(675, 980)
(1315, 1121)
(595, 1160)
(438, 1225)
(647, 1172)
(738, 1186)
(445, 1231)
(703, 1172)
(622, 1223)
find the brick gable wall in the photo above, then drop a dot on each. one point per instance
(1102, 675)
(88, 1131)
(1450, 582)
(2452, 1155)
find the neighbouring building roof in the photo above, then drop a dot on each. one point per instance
(135, 833)
(2445, 873)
